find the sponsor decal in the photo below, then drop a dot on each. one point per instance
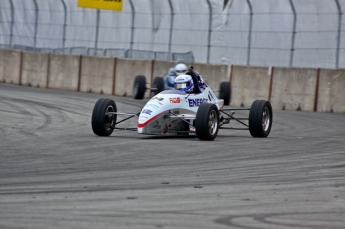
(101, 4)
(146, 111)
(157, 98)
(153, 106)
(175, 100)
(196, 102)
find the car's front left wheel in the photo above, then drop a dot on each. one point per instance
(260, 118)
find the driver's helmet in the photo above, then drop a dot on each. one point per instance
(180, 69)
(183, 83)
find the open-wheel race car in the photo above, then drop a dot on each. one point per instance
(191, 108)
(167, 83)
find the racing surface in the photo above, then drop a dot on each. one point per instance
(55, 173)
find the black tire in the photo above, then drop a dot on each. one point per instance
(139, 87)
(102, 123)
(260, 118)
(225, 92)
(207, 122)
(158, 82)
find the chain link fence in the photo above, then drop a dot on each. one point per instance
(291, 33)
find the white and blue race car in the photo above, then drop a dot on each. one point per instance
(191, 108)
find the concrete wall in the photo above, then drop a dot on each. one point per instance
(35, 69)
(127, 70)
(161, 68)
(249, 84)
(10, 66)
(214, 74)
(303, 89)
(97, 74)
(331, 91)
(294, 88)
(64, 72)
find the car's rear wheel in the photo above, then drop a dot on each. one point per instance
(225, 92)
(260, 118)
(139, 87)
(103, 121)
(158, 82)
(207, 122)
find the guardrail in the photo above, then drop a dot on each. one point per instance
(110, 52)
(305, 89)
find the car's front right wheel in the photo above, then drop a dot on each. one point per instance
(103, 118)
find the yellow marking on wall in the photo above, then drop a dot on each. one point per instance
(101, 4)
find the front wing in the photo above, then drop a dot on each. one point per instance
(172, 124)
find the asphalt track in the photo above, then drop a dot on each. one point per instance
(55, 173)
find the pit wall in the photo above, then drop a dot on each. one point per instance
(305, 89)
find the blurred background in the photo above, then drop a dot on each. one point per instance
(287, 33)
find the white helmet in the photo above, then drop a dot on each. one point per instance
(183, 83)
(180, 69)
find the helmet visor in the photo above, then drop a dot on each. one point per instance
(182, 85)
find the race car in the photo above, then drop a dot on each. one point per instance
(191, 108)
(167, 83)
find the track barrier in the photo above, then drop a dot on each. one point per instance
(305, 89)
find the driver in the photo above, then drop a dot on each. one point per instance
(179, 69)
(190, 81)
(184, 83)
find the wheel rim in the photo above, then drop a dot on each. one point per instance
(109, 118)
(212, 123)
(266, 119)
